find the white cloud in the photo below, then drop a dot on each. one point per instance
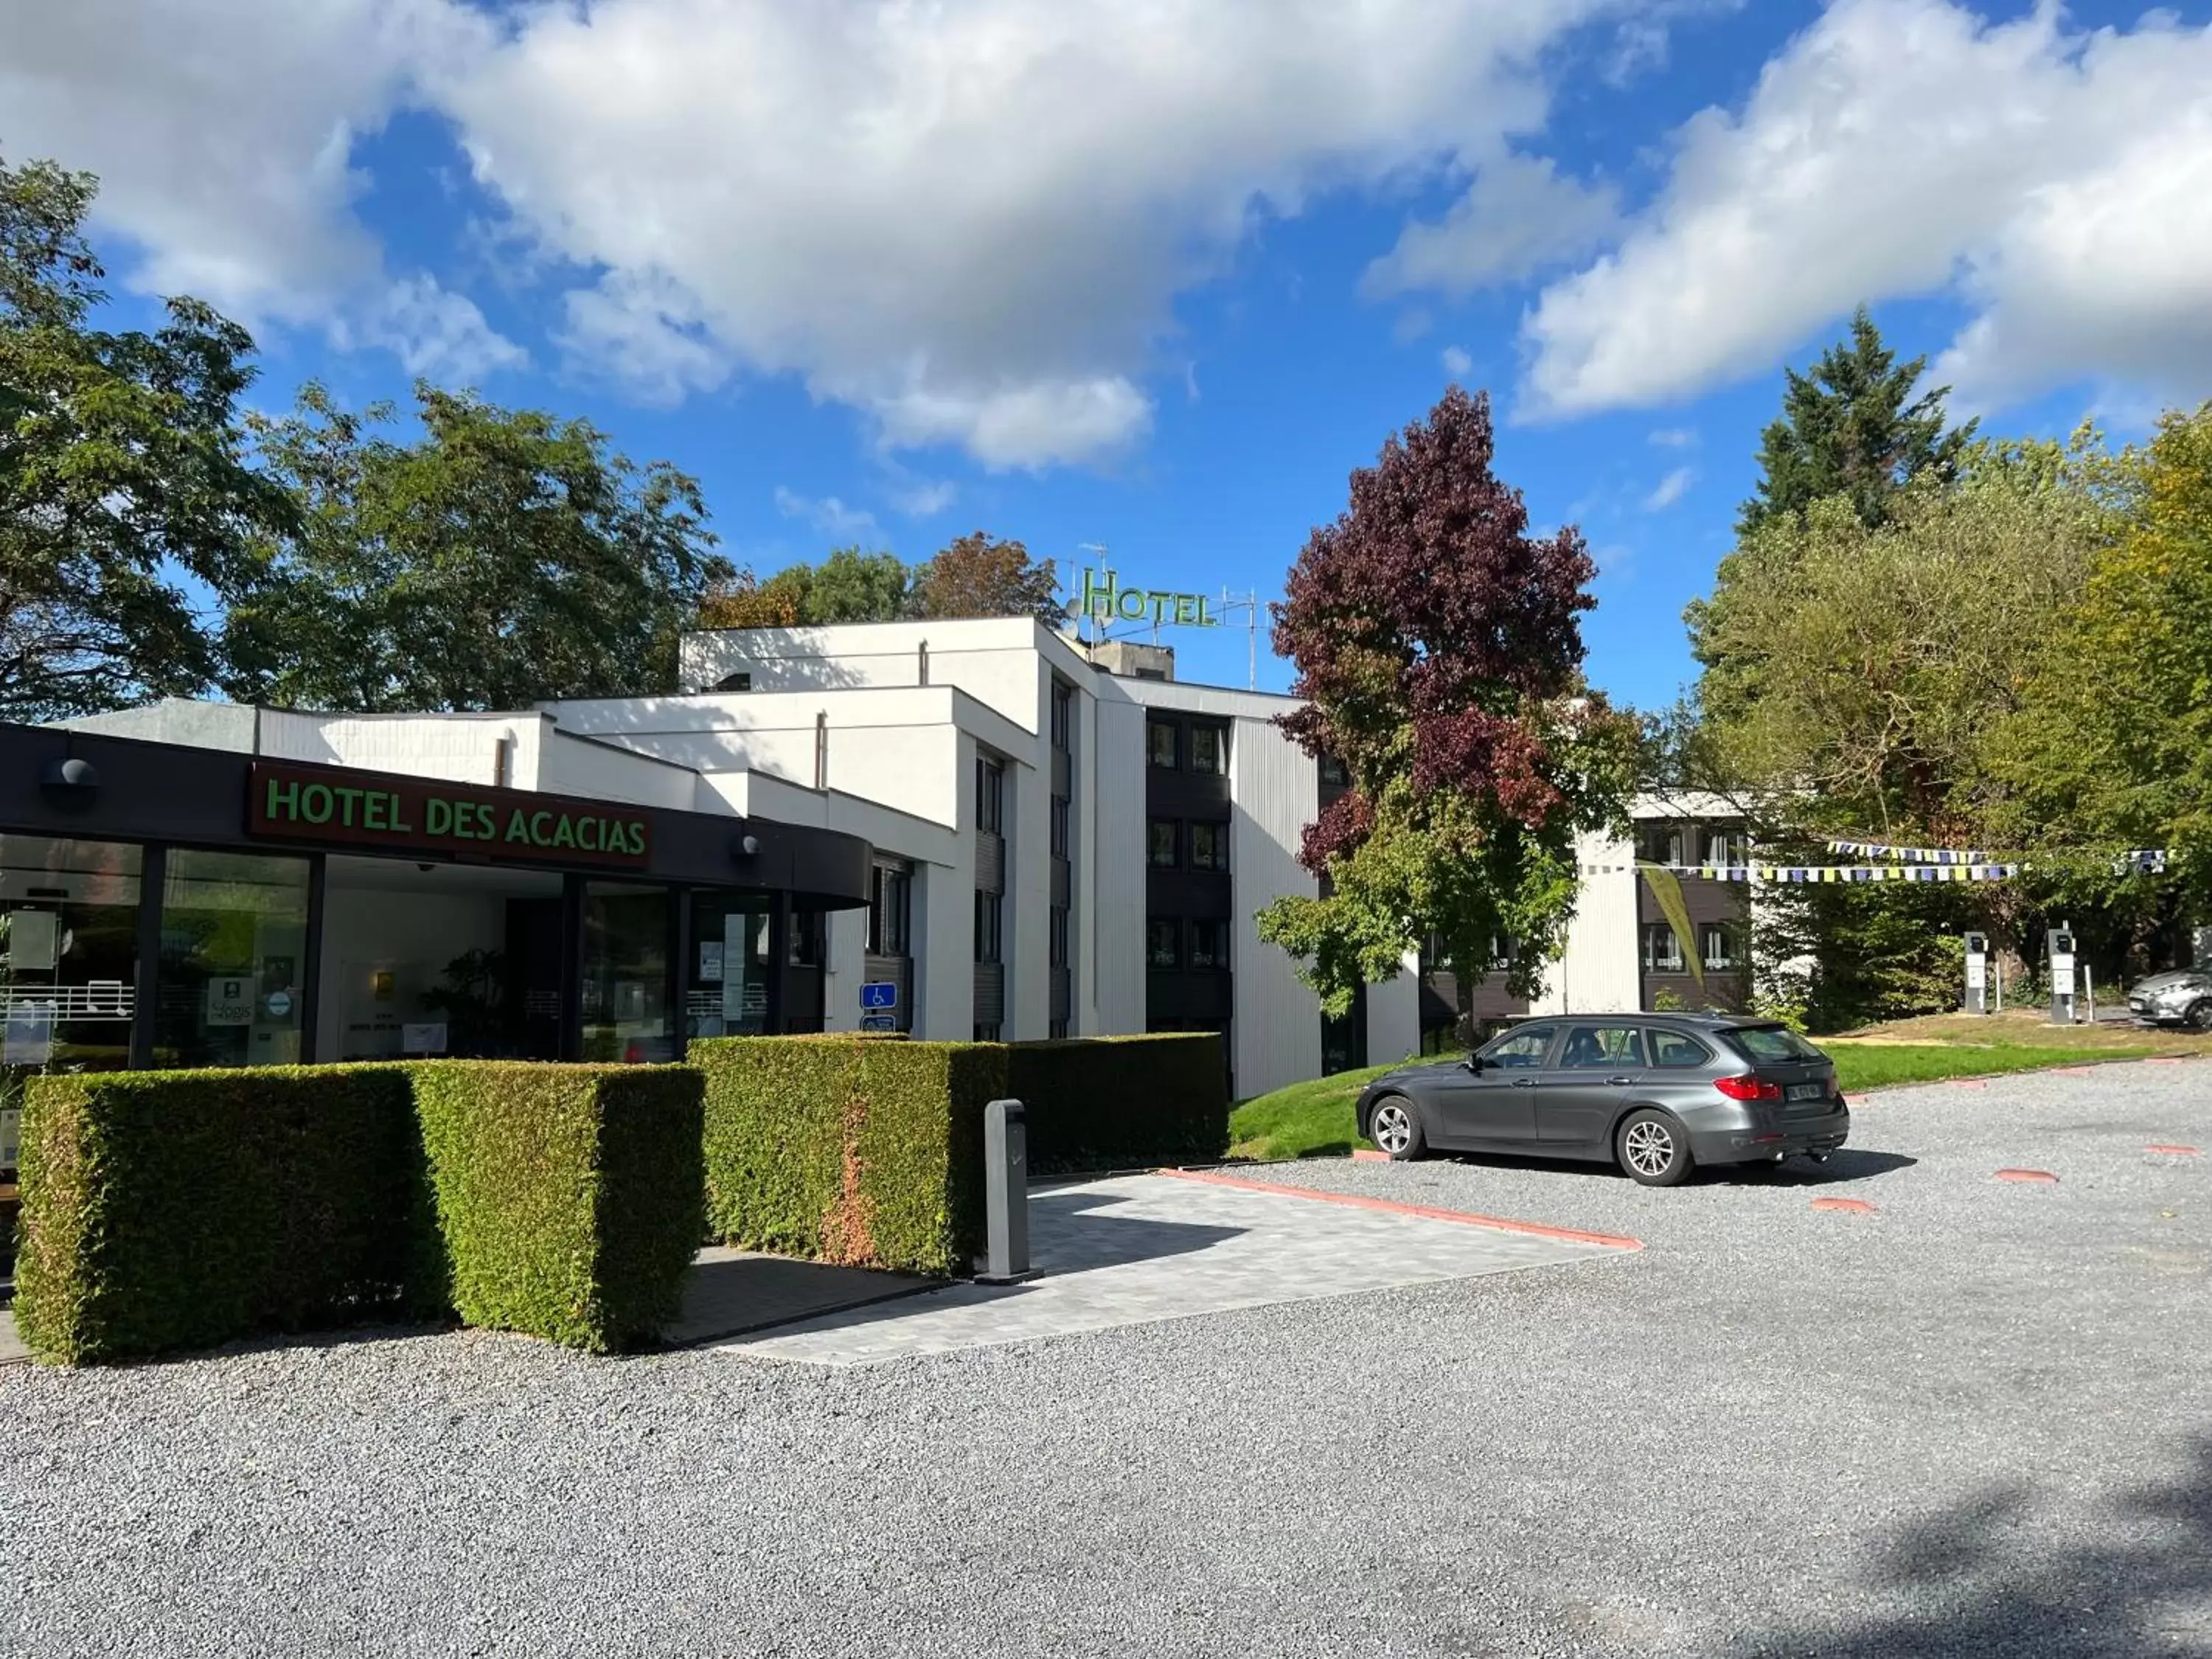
(2054, 179)
(1519, 216)
(969, 221)
(1675, 437)
(223, 134)
(436, 335)
(925, 498)
(828, 515)
(1457, 364)
(1671, 490)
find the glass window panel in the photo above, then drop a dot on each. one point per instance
(1160, 843)
(1160, 743)
(726, 981)
(625, 969)
(1162, 948)
(1603, 1046)
(68, 963)
(233, 959)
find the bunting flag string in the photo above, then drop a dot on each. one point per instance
(2149, 860)
(1783, 874)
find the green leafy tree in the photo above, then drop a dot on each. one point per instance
(500, 557)
(1841, 678)
(127, 501)
(981, 575)
(1852, 428)
(852, 586)
(1438, 647)
(2114, 739)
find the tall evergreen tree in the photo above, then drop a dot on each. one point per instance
(1847, 428)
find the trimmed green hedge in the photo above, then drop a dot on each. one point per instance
(1122, 1102)
(847, 1149)
(870, 1153)
(166, 1210)
(569, 1197)
(170, 1210)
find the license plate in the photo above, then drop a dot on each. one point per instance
(1808, 1091)
(2137, 1003)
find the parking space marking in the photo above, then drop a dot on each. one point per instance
(2040, 1177)
(1846, 1206)
(2172, 1151)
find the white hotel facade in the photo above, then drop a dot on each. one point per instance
(1055, 849)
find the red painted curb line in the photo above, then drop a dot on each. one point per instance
(2073, 1071)
(1368, 1155)
(2028, 1175)
(2162, 1060)
(1853, 1205)
(1969, 1083)
(1534, 1228)
(2175, 1151)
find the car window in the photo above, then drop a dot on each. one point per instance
(1606, 1048)
(1519, 1050)
(1772, 1042)
(1675, 1049)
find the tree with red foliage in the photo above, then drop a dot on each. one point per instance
(1438, 647)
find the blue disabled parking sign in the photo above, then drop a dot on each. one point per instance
(880, 994)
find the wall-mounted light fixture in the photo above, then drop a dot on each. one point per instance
(71, 781)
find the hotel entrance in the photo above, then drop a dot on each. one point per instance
(162, 905)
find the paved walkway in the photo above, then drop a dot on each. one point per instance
(732, 1292)
(1143, 1247)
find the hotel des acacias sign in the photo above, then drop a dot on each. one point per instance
(373, 812)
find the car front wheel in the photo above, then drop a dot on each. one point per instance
(2199, 1017)
(1653, 1150)
(1395, 1126)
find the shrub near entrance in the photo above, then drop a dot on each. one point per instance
(569, 1197)
(870, 1153)
(846, 1149)
(167, 1210)
(1122, 1102)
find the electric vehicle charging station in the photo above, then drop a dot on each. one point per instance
(2061, 940)
(1978, 973)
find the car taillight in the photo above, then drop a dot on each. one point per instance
(1747, 1088)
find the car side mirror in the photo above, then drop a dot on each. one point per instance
(1473, 1062)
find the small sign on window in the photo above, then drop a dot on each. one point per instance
(230, 1001)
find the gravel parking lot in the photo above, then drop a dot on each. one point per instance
(1972, 1421)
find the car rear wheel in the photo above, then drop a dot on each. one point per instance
(1653, 1150)
(1395, 1126)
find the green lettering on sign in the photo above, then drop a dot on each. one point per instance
(1105, 599)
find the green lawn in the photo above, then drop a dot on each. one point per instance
(1315, 1119)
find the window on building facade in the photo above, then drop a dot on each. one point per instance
(989, 910)
(1722, 848)
(1063, 715)
(1209, 847)
(809, 943)
(1162, 946)
(1160, 838)
(1717, 943)
(1209, 749)
(1160, 743)
(987, 1031)
(990, 796)
(1334, 774)
(1662, 951)
(1056, 1030)
(1209, 945)
(891, 912)
(1659, 843)
(1060, 936)
(734, 683)
(1059, 827)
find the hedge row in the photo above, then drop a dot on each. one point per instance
(181, 1209)
(870, 1153)
(1122, 1102)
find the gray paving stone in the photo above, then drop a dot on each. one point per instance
(1137, 1248)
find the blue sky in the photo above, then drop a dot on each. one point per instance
(1157, 278)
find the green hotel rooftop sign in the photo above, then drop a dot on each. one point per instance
(374, 813)
(1103, 599)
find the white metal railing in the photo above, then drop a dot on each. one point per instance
(100, 998)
